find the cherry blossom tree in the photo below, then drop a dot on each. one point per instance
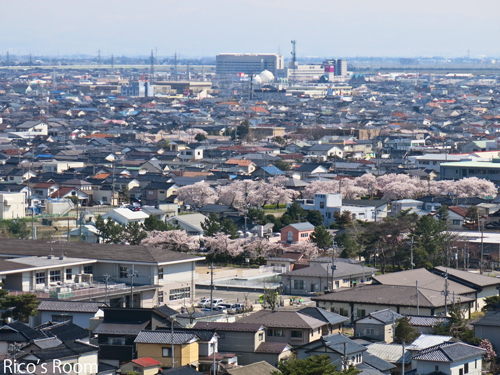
(347, 186)
(197, 195)
(474, 187)
(173, 240)
(223, 244)
(240, 193)
(490, 352)
(262, 248)
(309, 249)
(275, 192)
(366, 181)
(400, 186)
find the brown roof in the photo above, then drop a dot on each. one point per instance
(468, 277)
(271, 347)
(239, 162)
(458, 210)
(258, 368)
(282, 319)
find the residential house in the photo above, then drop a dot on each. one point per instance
(236, 165)
(79, 313)
(358, 302)
(67, 192)
(378, 325)
(290, 327)
(190, 223)
(257, 368)
(298, 232)
(338, 347)
(335, 322)
(142, 366)
(45, 189)
(16, 332)
(165, 347)
(305, 170)
(248, 341)
(488, 327)
(18, 175)
(124, 215)
(158, 192)
(326, 151)
(319, 277)
(450, 359)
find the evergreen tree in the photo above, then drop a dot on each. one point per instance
(229, 227)
(313, 365)
(211, 225)
(109, 231)
(134, 233)
(404, 331)
(321, 237)
(314, 217)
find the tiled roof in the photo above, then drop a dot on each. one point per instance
(377, 363)
(146, 362)
(426, 321)
(221, 326)
(258, 368)
(121, 328)
(467, 277)
(491, 319)
(449, 352)
(66, 331)
(323, 315)
(282, 319)
(164, 337)
(386, 315)
(70, 306)
(302, 226)
(272, 347)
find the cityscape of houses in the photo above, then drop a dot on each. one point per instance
(247, 217)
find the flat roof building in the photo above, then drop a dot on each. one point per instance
(248, 63)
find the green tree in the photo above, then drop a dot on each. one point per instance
(229, 227)
(257, 215)
(443, 215)
(18, 229)
(279, 140)
(313, 365)
(109, 231)
(74, 199)
(283, 165)
(350, 247)
(271, 298)
(134, 233)
(491, 303)
(342, 220)
(456, 326)
(200, 137)
(243, 129)
(211, 225)
(472, 214)
(429, 239)
(404, 331)
(314, 217)
(321, 237)
(153, 223)
(19, 307)
(296, 212)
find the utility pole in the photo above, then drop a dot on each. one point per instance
(334, 267)
(403, 367)
(418, 302)
(445, 293)
(481, 228)
(106, 278)
(212, 287)
(132, 275)
(411, 253)
(173, 349)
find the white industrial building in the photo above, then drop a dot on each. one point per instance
(248, 63)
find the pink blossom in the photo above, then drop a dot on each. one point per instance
(174, 240)
(197, 195)
(221, 243)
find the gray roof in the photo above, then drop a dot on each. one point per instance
(272, 347)
(426, 321)
(377, 362)
(389, 295)
(164, 337)
(335, 342)
(426, 281)
(324, 269)
(222, 326)
(184, 370)
(257, 368)
(70, 306)
(491, 318)
(468, 278)
(282, 319)
(302, 226)
(121, 328)
(386, 315)
(449, 352)
(323, 315)
(140, 254)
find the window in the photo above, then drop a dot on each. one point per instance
(261, 336)
(160, 296)
(296, 334)
(436, 368)
(162, 191)
(165, 352)
(475, 363)
(298, 284)
(123, 272)
(466, 368)
(40, 278)
(457, 222)
(370, 331)
(321, 204)
(160, 273)
(361, 313)
(461, 371)
(304, 235)
(69, 274)
(179, 293)
(150, 192)
(116, 341)
(55, 275)
(62, 318)
(88, 269)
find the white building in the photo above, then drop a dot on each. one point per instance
(248, 63)
(12, 206)
(124, 215)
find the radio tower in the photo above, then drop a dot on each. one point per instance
(112, 62)
(294, 60)
(99, 57)
(8, 58)
(152, 69)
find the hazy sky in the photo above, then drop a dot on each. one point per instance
(204, 28)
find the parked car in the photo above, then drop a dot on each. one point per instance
(204, 302)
